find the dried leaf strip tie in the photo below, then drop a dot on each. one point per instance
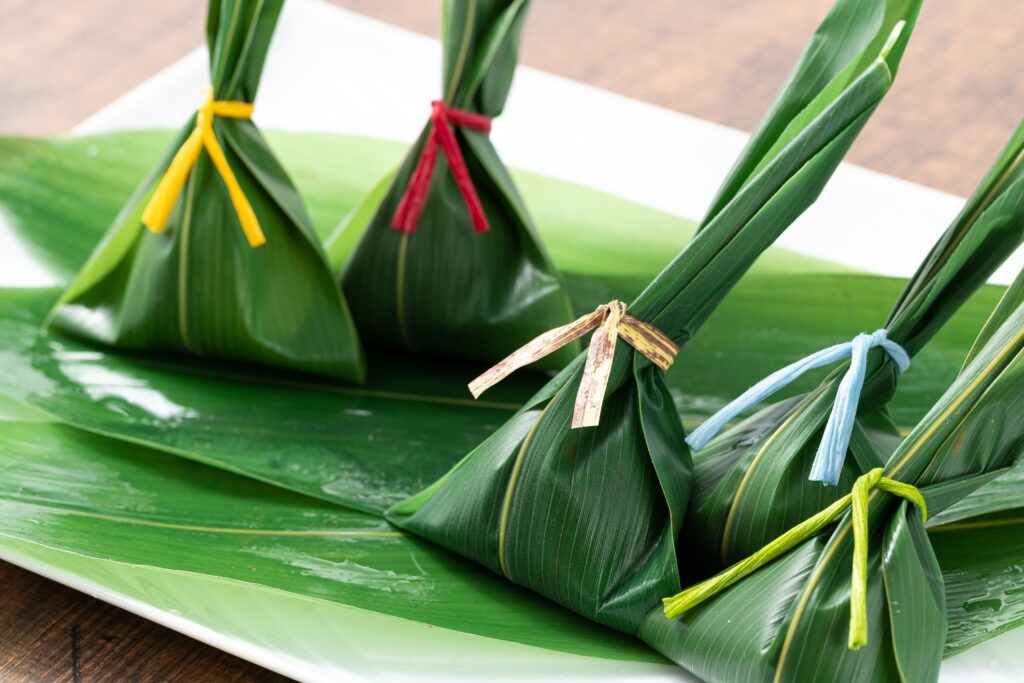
(609, 322)
(828, 462)
(858, 501)
(167, 190)
(442, 118)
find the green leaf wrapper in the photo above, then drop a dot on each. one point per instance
(444, 288)
(789, 621)
(590, 518)
(57, 197)
(752, 478)
(979, 542)
(198, 286)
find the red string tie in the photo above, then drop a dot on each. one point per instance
(441, 135)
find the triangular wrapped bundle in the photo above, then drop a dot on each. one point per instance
(450, 263)
(753, 478)
(230, 267)
(589, 517)
(854, 592)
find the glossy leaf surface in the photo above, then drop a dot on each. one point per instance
(444, 288)
(57, 198)
(78, 492)
(590, 517)
(754, 479)
(971, 437)
(90, 177)
(100, 498)
(198, 286)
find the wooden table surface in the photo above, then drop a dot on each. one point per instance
(957, 98)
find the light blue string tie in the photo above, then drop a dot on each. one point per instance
(836, 440)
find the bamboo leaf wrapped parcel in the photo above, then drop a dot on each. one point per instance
(980, 558)
(230, 267)
(752, 479)
(450, 262)
(589, 517)
(854, 592)
(979, 541)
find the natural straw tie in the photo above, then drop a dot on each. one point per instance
(858, 500)
(610, 322)
(167, 190)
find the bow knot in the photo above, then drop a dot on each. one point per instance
(441, 136)
(857, 501)
(611, 323)
(161, 203)
(828, 462)
(876, 338)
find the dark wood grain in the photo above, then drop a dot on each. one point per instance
(957, 98)
(52, 633)
(62, 60)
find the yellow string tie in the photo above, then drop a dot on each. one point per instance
(167, 190)
(858, 500)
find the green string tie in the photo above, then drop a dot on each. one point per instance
(858, 500)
